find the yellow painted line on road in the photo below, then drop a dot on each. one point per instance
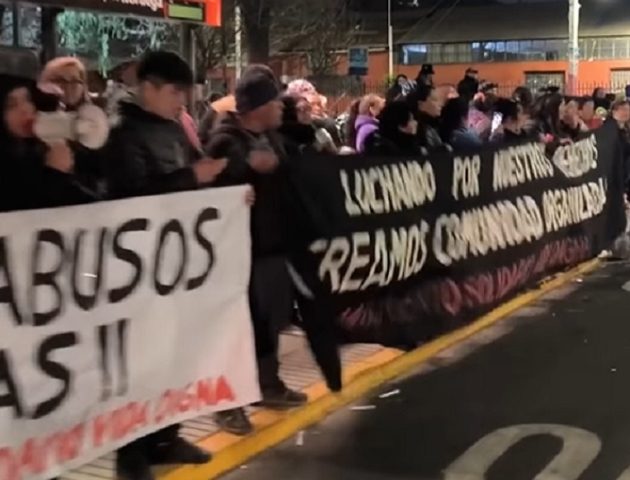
(359, 379)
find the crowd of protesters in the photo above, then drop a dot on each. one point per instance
(155, 146)
(473, 114)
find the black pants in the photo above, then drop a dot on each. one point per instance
(271, 304)
(319, 323)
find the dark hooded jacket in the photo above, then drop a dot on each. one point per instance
(25, 181)
(269, 215)
(148, 155)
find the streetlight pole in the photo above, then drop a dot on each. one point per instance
(238, 41)
(574, 45)
(390, 39)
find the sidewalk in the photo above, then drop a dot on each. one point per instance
(299, 371)
(365, 368)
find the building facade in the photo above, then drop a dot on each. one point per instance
(520, 44)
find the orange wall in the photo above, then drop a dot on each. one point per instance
(506, 74)
(596, 72)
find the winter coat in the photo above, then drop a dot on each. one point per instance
(465, 139)
(331, 127)
(365, 126)
(467, 88)
(428, 134)
(269, 221)
(25, 181)
(394, 144)
(298, 137)
(148, 155)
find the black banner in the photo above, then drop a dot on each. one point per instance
(406, 248)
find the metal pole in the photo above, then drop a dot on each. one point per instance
(49, 33)
(390, 39)
(17, 41)
(574, 45)
(238, 41)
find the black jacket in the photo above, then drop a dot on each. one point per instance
(428, 131)
(26, 183)
(269, 215)
(298, 138)
(148, 155)
(396, 143)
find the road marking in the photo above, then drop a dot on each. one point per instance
(580, 447)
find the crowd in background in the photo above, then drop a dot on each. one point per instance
(155, 145)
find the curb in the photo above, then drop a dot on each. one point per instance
(359, 378)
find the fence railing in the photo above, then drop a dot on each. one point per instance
(341, 91)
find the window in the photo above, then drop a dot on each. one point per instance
(619, 79)
(435, 53)
(620, 48)
(538, 80)
(414, 54)
(555, 49)
(514, 51)
(606, 48)
(476, 52)
(464, 53)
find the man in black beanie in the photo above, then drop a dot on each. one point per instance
(248, 139)
(148, 153)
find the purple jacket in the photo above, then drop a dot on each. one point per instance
(365, 126)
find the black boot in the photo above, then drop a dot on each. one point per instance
(282, 398)
(179, 452)
(234, 421)
(132, 464)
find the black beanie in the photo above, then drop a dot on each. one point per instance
(257, 87)
(167, 67)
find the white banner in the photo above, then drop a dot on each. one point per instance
(118, 319)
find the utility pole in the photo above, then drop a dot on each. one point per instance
(238, 41)
(390, 39)
(15, 8)
(49, 33)
(574, 45)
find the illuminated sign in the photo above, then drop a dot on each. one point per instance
(198, 11)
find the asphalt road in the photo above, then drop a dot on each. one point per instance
(544, 395)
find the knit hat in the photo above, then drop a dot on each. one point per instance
(167, 67)
(256, 88)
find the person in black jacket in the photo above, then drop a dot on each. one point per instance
(427, 106)
(396, 134)
(32, 174)
(512, 128)
(248, 139)
(148, 153)
(469, 85)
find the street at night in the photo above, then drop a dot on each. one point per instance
(549, 383)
